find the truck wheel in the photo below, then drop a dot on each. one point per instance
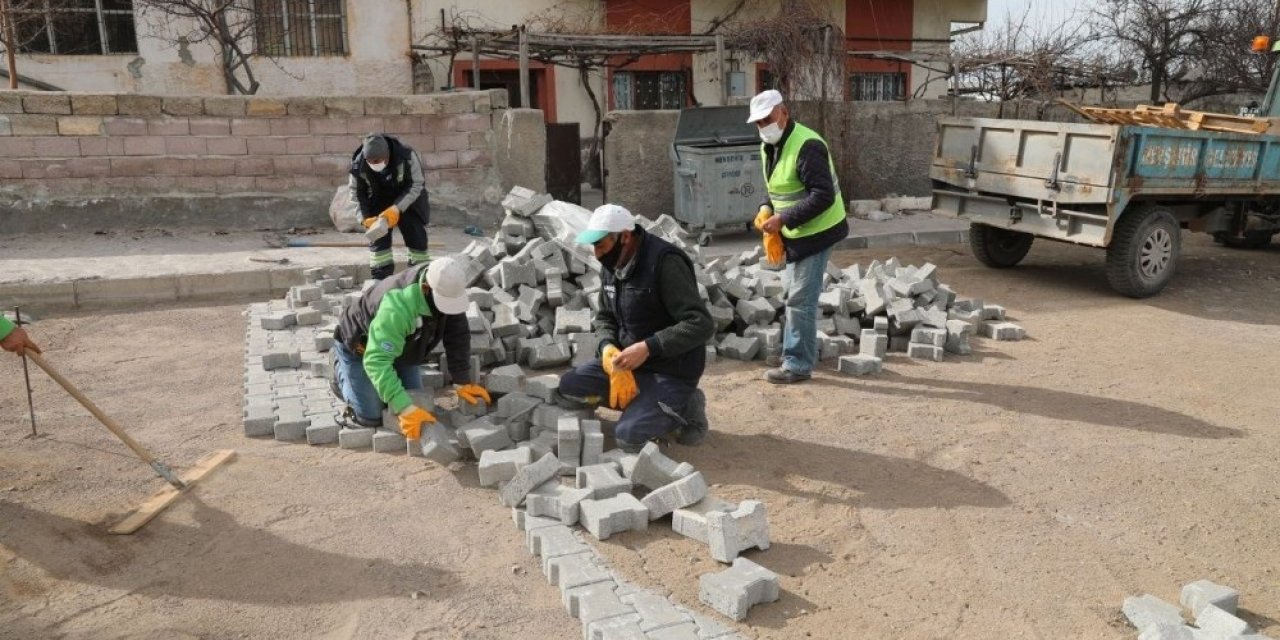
(998, 248)
(1144, 250)
(1250, 240)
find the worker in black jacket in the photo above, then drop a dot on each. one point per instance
(654, 327)
(387, 182)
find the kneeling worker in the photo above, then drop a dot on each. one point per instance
(654, 327)
(384, 337)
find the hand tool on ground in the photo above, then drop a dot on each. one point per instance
(157, 502)
(26, 375)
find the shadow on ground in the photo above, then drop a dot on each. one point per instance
(217, 559)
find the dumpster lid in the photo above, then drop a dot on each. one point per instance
(715, 126)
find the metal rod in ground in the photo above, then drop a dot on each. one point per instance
(26, 375)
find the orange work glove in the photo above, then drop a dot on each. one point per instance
(622, 389)
(773, 250)
(412, 419)
(392, 214)
(607, 355)
(764, 214)
(473, 393)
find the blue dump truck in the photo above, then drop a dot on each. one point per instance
(1128, 188)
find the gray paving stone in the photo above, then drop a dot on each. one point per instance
(654, 470)
(501, 466)
(626, 461)
(1196, 595)
(554, 500)
(735, 590)
(483, 435)
(1147, 610)
(676, 495)
(1005, 331)
(529, 477)
(603, 480)
(860, 365)
(592, 442)
(604, 518)
(730, 533)
(355, 438)
(281, 359)
(691, 521)
(1217, 623)
(260, 420)
(439, 446)
(925, 352)
(291, 427)
(278, 321)
(542, 387)
(569, 444)
(506, 379)
(656, 612)
(323, 430)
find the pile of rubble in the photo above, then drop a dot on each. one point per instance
(1212, 606)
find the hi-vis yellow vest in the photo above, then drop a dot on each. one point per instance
(785, 188)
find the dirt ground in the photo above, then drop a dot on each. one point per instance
(1125, 447)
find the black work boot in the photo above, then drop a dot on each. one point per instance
(695, 420)
(333, 375)
(348, 419)
(383, 272)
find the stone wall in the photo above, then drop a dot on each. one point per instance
(117, 160)
(639, 172)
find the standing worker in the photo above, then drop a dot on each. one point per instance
(806, 212)
(654, 327)
(14, 339)
(387, 183)
(384, 337)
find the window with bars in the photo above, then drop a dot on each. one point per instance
(878, 86)
(649, 89)
(74, 27)
(301, 27)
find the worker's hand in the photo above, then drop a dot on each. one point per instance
(370, 221)
(772, 225)
(632, 357)
(765, 212)
(773, 248)
(622, 389)
(392, 215)
(412, 419)
(18, 341)
(607, 355)
(474, 393)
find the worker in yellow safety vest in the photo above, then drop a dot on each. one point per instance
(803, 219)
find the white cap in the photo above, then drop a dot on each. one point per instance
(448, 281)
(606, 219)
(762, 105)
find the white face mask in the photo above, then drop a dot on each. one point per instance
(377, 166)
(771, 133)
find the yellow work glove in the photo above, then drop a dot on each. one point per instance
(473, 393)
(773, 250)
(411, 420)
(764, 214)
(622, 389)
(392, 214)
(607, 355)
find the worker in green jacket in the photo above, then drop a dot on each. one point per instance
(383, 339)
(14, 339)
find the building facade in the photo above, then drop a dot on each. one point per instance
(350, 47)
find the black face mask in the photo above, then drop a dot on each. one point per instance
(610, 259)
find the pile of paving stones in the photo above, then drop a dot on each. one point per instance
(534, 292)
(1212, 606)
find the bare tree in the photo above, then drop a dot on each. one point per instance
(229, 25)
(1164, 35)
(22, 24)
(1223, 64)
(802, 45)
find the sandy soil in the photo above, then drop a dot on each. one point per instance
(1125, 447)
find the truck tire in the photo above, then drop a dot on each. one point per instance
(998, 248)
(1250, 240)
(1143, 255)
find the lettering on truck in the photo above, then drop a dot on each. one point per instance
(1185, 155)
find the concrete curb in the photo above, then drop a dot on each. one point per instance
(96, 293)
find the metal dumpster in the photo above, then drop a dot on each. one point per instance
(718, 180)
